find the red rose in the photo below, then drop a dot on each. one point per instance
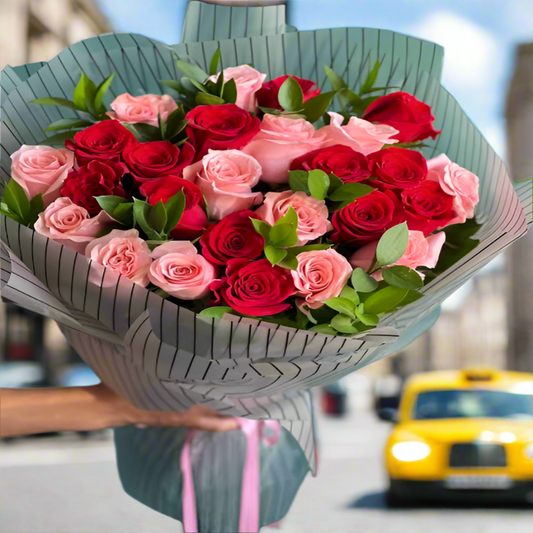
(343, 161)
(234, 237)
(255, 288)
(398, 168)
(104, 140)
(366, 219)
(97, 178)
(411, 117)
(156, 159)
(267, 96)
(428, 207)
(220, 127)
(194, 220)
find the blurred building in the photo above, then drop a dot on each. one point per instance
(519, 114)
(30, 31)
(37, 30)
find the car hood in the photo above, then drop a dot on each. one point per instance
(464, 430)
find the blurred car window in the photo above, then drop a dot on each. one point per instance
(460, 403)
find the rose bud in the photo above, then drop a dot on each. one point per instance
(255, 288)
(234, 237)
(247, 81)
(411, 117)
(343, 161)
(144, 109)
(398, 168)
(194, 219)
(97, 178)
(180, 271)
(151, 160)
(220, 127)
(41, 170)
(267, 96)
(123, 252)
(104, 140)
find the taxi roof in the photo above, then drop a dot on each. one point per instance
(471, 377)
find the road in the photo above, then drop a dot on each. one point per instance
(64, 485)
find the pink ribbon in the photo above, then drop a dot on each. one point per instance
(249, 514)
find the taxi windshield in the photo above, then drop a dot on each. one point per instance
(472, 403)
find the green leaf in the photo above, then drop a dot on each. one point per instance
(176, 86)
(199, 86)
(392, 245)
(290, 262)
(298, 181)
(229, 94)
(157, 217)
(342, 305)
(367, 85)
(283, 235)
(162, 126)
(402, 277)
(334, 183)
(269, 110)
(337, 83)
(216, 312)
(290, 96)
(59, 138)
(275, 255)
(123, 213)
(67, 124)
(366, 318)
(16, 200)
(412, 296)
(101, 91)
(84, 95)
(144, 132)
(215, 60)
(301, 319)
(63, 102)
(324, 328)
(193, 72)
(362, 282)
(350, 294)
(109, 203)
(384, 300)
(219, 85)
(36, 207)
(348, 98)
(175, 123)
(309, 248)
(348, 192)
(290, 217)
(141, 212)
(315, 107)
(174, 207)
(208, 99)
(344, 324)
(318, 184)
(262, 228)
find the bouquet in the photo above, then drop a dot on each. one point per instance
(203, 235)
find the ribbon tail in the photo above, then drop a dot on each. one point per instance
(190, 521)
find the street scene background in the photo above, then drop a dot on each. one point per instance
(69, 482)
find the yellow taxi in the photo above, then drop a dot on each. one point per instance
(462, 434)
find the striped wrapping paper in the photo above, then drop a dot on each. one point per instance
(161, 356)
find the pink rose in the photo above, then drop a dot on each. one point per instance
(180, 271)
(321, 275)
(142, 109)
(41, 170)
(359, 134)
(71, 225)
(458, 182)
(281, 140)
(312, 213)
(123, 252)
(226, 178)
(247, 80)
(421, 251)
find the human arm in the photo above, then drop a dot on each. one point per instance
(29, 411)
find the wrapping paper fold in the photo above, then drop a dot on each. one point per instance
(161, 356)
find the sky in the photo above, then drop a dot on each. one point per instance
(479, 37)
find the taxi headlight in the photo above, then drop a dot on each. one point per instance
(412, 451)
(529, 451)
